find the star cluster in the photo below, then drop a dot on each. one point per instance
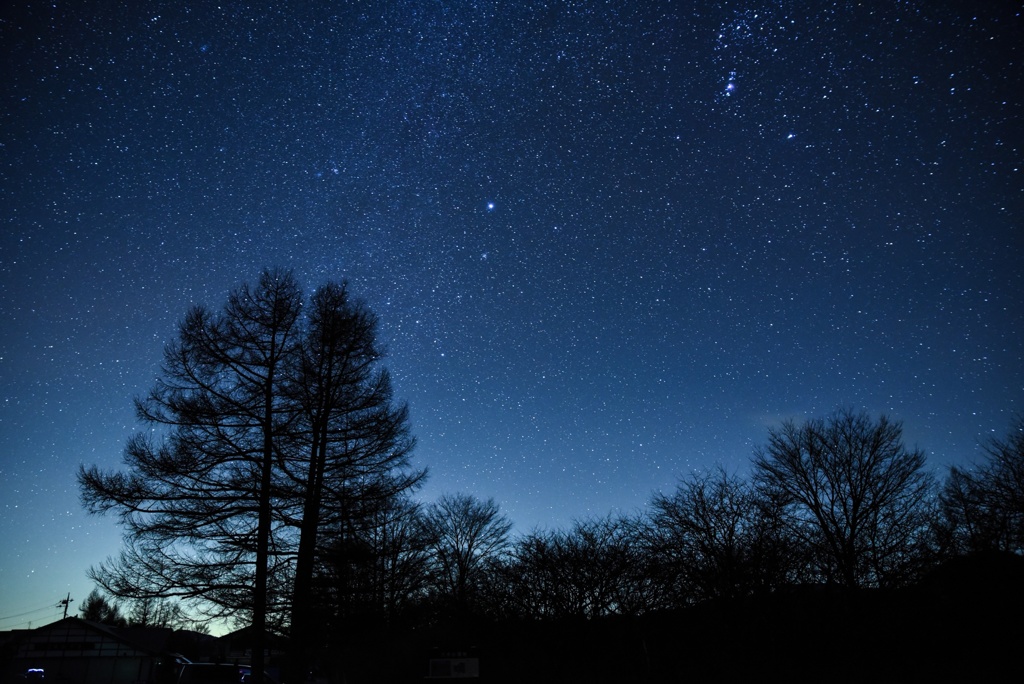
(609, 242)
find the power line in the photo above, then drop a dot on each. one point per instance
(63, 604)
(44, 620)
(37, 610)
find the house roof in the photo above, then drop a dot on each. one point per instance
(152, 641)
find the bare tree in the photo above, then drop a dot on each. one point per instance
(852, 494)
(397, 578)
(161, 612)
(526, 584)
(983, 507)
(716, 537)
(277, 429)
(378, 572)
(350, 446)
(197, 507)
(596, 568)
(467, 536)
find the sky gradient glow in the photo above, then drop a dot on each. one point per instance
(609, 243)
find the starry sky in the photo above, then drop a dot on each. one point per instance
(610, 243)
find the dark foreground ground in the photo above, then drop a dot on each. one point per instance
(963, 624)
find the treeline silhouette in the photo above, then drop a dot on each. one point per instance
(723, 578)
(275, 489)
(840, 554)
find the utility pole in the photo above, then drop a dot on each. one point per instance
(65, 602)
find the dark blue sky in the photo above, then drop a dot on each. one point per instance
(610, 243)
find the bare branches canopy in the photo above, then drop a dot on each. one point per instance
(270, 429)
(852, 494)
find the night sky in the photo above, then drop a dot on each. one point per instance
(609, 243)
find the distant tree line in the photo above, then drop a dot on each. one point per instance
(148, 612)
(838, 501)
(277, 490)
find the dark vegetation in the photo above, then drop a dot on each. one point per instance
(277, 491)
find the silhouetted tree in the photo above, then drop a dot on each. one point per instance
(160, 612)
(349, 452)
(983, 508)
(525, 584)
(196, 506)
(596, 568)
(851, 494)
(97, 608)
(717, 537)
(278, 429)
(400, 545)
(467, 536)
(376, 570)
(370, 582)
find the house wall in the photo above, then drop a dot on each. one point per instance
(79, 654)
